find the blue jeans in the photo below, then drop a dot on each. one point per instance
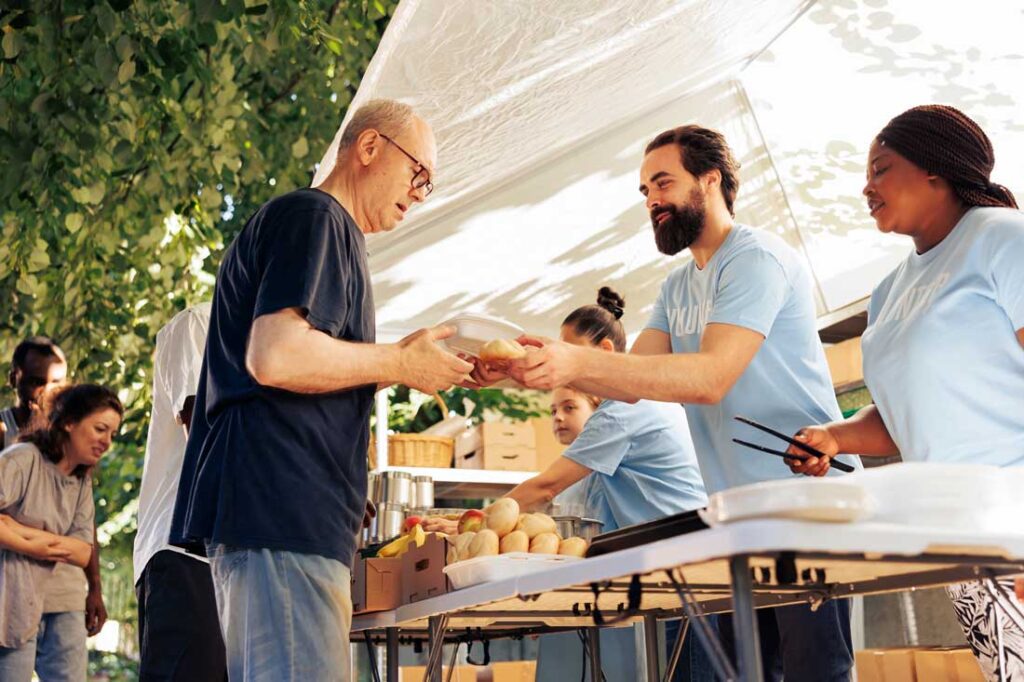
(694, 662)
(285, 616)
(57, 653)
(803, 645)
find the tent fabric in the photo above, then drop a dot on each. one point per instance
(542, 110)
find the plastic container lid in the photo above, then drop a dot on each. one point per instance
(474, 330)
(808, 499)
(488, 569)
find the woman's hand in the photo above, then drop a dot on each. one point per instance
(819, 438)
(46, 547)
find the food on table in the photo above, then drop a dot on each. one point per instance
(545, 543)
(411, 521)
(535, 524)
(516, 541)
(471, 521)
(484, 543)
(400, 546)
(502, 516)
(573, 547)
(462, 541)
(501, 351)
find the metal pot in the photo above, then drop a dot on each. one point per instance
(422, 492)
(394, 487)
(390, 518)
(577, 527)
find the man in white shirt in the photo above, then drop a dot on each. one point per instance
(179, 634)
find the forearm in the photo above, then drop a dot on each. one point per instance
(864, 434)
(674, 378)
(12, 540)
(300, 358)
(92, 569)
(603, 391)
(533, 493)
(79, 551)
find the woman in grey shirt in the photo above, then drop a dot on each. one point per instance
(46, 512)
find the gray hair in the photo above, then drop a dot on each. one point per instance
(386, 115)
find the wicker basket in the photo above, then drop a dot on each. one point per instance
(417, 450)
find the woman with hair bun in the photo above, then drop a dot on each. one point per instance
(636, 463)
(944, 347)
(46, 517)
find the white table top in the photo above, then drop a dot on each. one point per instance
(871, 541)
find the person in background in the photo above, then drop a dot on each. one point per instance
(38, 366)
(733, 332)
(273, 483)
(47, 518)
(944, 346)
(179, 634)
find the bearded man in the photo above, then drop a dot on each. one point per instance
(733, 332)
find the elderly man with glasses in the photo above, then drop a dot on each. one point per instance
(273, 484)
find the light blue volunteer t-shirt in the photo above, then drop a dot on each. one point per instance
(756, 281)
(941, 355)
(643, 463)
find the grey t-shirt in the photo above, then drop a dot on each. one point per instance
(35, 493)
(67, 588)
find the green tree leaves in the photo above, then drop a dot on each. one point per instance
(136, 138)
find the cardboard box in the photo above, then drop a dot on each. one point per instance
(503, 447)
(376, 584)
(966, 665)
(845, 362)
(514, 671)
(416, 673)
(423, 570)
(548, 447)
(934, 665)
(926, 664)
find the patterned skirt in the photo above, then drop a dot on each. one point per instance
(986, 615)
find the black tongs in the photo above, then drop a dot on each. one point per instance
(833, 462)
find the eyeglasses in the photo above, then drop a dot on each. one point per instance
(421, 180)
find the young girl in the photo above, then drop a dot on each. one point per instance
(46, 516)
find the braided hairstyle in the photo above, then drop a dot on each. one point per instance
(601, 321)
(944, 141)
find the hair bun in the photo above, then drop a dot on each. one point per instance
(610, 300)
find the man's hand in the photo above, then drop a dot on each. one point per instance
(427, 367)
(47, 548)
(95, 612)
(484, 375)
(548, 364)
(369, 514)
(819, 438)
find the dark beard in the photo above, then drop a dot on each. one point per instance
(682, 227)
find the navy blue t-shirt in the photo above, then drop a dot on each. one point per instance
(267, 468)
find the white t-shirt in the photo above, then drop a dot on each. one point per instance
(941, 355)
(179, 358)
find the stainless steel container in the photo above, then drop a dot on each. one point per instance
(577, 527)
(422, 492)
(390, 518)
(394, 487)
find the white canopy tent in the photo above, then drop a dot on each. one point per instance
(542, 109)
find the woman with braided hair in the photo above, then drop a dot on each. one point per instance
(944, 347)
